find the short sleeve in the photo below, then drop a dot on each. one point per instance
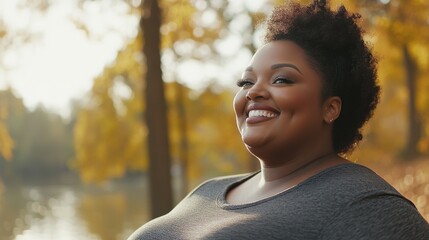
(389, 217)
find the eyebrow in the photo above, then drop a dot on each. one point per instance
(276, 66)
(280, 65)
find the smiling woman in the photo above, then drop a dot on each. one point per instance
(281, 82)
(302, 102)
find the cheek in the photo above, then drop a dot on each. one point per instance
(300, 103)
(239, 103)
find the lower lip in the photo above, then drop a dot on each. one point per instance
(252, 120)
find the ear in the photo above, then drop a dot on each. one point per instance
(331, 109)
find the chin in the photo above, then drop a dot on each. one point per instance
(253, 144)
(255, 138)
(251, 141)
(257, 152)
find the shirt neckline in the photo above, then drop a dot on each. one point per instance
(221, 198)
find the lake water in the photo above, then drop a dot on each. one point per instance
(65, 212)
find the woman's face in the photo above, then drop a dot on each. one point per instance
(278, 107)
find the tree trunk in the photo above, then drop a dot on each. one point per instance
(161, 199)
(184, 145)
(414, 135)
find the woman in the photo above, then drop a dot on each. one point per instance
(303, 101)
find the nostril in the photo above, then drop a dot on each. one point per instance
(257, 93)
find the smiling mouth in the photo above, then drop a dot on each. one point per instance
(261, 113)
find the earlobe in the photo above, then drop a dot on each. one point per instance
(332, 109)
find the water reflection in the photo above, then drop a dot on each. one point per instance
(72, 211)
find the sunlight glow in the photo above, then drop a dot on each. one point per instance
(61, 64)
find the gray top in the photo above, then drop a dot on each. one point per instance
(348, 201)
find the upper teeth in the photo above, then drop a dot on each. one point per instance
(261, 113)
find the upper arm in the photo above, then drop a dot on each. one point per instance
(377, 217)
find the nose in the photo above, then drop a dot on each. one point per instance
(257, 91)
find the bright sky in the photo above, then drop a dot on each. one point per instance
(61, 61)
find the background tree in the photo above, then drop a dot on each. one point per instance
(109, 136)
(6, 142)
(43, 143)
(10, 41)
(156, 112)
(400, 35)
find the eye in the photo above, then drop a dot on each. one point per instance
(244, 83)
(283, 80)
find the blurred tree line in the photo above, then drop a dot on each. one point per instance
(42, 142)
(113, 125)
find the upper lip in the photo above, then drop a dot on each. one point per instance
(260, 106)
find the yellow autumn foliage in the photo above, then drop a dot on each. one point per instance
(109, 133)
(6, 142)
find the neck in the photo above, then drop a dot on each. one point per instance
(293, 168)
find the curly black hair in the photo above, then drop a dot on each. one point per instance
(334, 43)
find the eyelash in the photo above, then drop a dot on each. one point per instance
(284, 79)
(243, 82)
